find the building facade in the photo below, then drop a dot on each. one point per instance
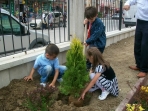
(33, 6)
(106, 6)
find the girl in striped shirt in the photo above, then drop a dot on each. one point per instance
(102, 75)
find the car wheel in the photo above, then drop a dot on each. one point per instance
(38, 45)
(126, 25)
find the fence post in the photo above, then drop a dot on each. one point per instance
(76, 18)
(120, 15)
(68, 10)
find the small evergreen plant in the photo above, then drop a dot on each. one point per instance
(76, 75)
(39, 99)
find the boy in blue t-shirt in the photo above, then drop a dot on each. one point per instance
(47, 64)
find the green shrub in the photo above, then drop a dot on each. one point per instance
(76, 75)
(39, 99)
(100, 15)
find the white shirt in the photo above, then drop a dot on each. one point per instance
(21, 13)
(43, 15)
(43, 18)
(142, 8)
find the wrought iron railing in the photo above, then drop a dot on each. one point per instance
(29, 24)
(37, 29)
(110, 12)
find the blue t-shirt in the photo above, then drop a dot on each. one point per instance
(41, 61)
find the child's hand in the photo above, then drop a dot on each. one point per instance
(126, 7)
(85, 44)
(52, 85)
(82, 97)
(91, 71)
(27, 78)
(85, 21)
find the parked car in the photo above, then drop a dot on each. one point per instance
(107, 16)
(57, 20)
(15, 36)
(115, 16)
(129, 17)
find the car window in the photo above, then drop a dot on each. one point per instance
(5, 26)
(46, 14)
(15, 26)
(57, 14)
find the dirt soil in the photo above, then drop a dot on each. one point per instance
(120, 55)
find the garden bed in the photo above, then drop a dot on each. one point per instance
(120, 55)
(130, 98)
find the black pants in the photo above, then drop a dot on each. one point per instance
(88, 64)
(141, 45)
(44, 26)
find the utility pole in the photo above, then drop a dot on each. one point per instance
(97, 4)
(120, 15)
(88, 3)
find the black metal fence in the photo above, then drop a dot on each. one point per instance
(110, 12)
(29, 24)
(32, 23)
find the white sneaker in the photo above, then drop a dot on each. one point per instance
(60, 80)
(43, 84)
(103, 95)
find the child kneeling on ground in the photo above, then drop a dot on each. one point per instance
(47, 64)
(101, 74)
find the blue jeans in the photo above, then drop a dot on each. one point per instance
(50, 71)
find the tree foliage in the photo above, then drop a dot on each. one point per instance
(76, 75)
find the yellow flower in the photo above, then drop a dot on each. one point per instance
(143, 88)
(129, 110)
(133, 107)
(128, 105)
(146, 90)
(140, 108)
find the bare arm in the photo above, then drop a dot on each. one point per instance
(128, 4)
(30, 76)
(92, 82)
(55, 78)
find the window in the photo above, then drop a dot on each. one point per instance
(57, 14)
(15, 27)
(5, 26)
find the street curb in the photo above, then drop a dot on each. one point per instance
(130, 96)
